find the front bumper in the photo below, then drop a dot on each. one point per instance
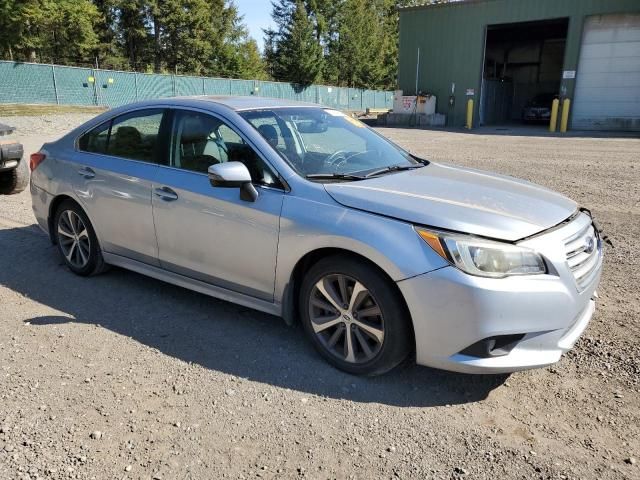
(452, 311)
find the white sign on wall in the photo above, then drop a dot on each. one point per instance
(569, 74)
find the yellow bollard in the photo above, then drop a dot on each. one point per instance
(554, 115)
(469, 124)
(566, 105)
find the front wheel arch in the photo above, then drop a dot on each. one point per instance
(291, 313)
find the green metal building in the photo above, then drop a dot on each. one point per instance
(505, 54)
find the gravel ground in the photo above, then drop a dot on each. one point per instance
(121, 376)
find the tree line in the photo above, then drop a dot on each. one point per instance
(191, 37)
(341, 42)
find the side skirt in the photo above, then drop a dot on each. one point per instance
(191, 284)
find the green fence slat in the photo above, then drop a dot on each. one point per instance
(40, 83)
(26, 83)
(154, 86)
(188, 86)
(115, 88)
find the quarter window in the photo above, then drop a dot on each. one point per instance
(96, 140)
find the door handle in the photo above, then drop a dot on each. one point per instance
(87, 173)
(166, 194)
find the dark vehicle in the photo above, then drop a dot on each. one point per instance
(538, 109)
(14, 171)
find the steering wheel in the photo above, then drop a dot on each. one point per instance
(337, 159)
(340, 158)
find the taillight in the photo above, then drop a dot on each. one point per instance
(36, 159)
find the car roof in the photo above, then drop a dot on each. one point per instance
(237, 103)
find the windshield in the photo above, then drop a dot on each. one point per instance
(322, 143)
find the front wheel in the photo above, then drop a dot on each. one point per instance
(354, 316)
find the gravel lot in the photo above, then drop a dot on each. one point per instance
(121, 376)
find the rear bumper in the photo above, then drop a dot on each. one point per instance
(452, 311)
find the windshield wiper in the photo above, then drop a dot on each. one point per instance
(333, 176)
(392, 168)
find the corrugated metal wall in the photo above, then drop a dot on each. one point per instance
(451, 40)
(35, 83)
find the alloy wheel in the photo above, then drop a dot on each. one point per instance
(346, 318)
(73, 238)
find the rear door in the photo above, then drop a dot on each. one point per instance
(208, 233)
(114, 169)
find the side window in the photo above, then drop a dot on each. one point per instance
(135, 136)
(201, 140)
(96, 140)
(196, 145)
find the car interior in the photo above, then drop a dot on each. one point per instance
(199, 143)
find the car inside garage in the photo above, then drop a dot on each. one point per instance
(522, 71)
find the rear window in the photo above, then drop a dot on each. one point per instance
(132, 136)
(96, 140)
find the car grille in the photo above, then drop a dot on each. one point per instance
(583, 250)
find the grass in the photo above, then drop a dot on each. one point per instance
(22, 110)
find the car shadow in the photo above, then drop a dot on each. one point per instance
(215, 334)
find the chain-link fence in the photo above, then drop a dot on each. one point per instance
(54, 84)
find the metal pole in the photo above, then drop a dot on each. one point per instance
(417, 70)
(554, 115)
(469, 122)
(55, 85)
(95, 83)
(135, 84)
(564, 122)
(95, 91)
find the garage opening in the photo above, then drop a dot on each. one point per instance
(522, 71)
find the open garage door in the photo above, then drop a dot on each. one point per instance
(607, 95)
(522, 71)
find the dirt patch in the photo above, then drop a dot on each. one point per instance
(121, 376)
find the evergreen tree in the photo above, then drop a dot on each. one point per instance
(51, 30)
(298, 56)
(236, 54)
(359, 49)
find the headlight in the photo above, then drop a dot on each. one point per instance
(484, 258)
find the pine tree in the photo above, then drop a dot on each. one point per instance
(236, 54)
(298, 55)
(359, 49)
(52, 30)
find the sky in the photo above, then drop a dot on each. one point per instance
(257, 15)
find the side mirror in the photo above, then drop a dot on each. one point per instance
(233, 175)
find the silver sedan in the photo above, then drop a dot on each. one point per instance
(303, 212)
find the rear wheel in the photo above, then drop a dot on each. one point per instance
(354, 316)
(16, 180)
(77, 241)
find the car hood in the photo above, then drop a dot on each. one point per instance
(459, 199)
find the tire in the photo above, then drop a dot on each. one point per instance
(72, 226)
(16, 180)
(376, 316)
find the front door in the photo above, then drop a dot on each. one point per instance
(208, 233)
